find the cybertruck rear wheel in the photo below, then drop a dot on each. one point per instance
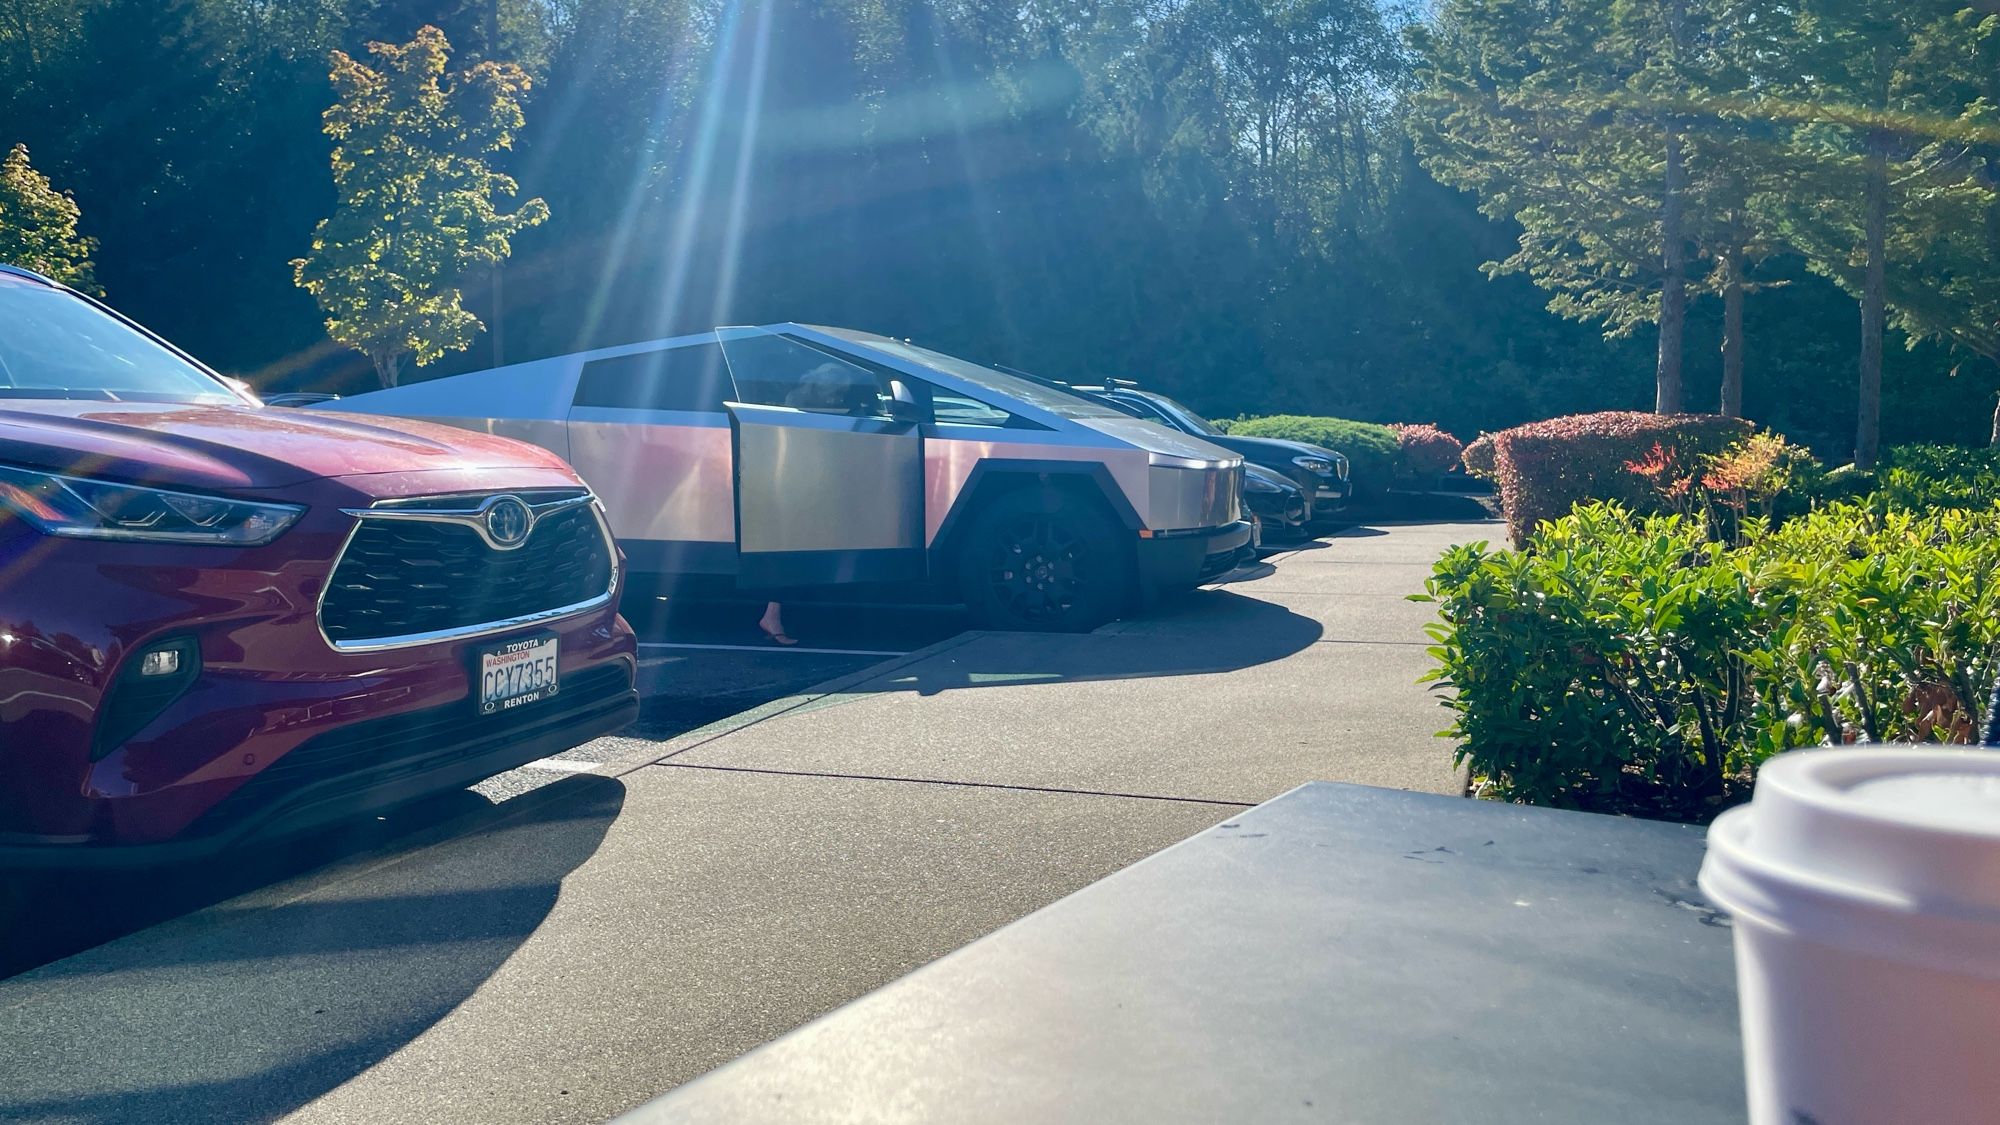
(1045, 562)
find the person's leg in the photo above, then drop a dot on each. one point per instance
(773, 624)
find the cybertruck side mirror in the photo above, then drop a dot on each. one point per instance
(901, 404)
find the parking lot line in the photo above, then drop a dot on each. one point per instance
(562, 765)
(669, 763)
(795, 649)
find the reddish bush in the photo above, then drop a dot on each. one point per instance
(1545, 468)
(1423, 450)
(1478, 456)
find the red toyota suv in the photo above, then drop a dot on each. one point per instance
(221, 622)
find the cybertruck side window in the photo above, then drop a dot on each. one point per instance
(773, 370)
(687, 378)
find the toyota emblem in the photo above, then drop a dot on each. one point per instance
(508, 522)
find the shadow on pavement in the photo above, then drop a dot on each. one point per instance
(46, 915)
(291, 997)
(1178, 639)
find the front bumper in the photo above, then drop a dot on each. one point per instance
(1170, 561)
(363, 768)
(1284, 515)
(1328, 498)
(267, 684)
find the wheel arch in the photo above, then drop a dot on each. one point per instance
(992, 478)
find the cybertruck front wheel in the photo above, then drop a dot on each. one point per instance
(1045, 562)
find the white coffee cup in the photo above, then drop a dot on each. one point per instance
(1864, 887)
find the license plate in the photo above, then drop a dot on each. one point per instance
(516, 673)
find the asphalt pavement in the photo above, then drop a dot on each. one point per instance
(657, 903)
(700, 662)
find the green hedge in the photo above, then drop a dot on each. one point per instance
(1371, 450)
(1546, 468)
(1628, 664)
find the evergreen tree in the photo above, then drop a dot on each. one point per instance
(1570, 119)
(1865, 110)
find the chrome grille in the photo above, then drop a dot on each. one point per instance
(415, 572)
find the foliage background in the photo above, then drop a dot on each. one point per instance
(1219, 197)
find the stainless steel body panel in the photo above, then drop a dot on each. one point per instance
(789, 456)
(952, 452)
(663, 475)
(1155, 438)
(1179, 499)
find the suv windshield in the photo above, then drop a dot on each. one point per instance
(54, 344)
(1056, 402)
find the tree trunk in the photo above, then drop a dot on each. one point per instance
(499, 328)
(1673, 284)
(1868, 416)
(1732, 332)
(1996, 421)
(388, 366)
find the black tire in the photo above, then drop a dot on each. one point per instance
(1045, 562)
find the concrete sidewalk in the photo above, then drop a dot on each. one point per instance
(607, 937)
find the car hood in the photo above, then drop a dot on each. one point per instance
(238, 447)
(1269, 449)
(1155, 438)
(1271, 477)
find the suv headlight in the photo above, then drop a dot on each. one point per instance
(1259, 484)
(81, 508)
(1313, 464)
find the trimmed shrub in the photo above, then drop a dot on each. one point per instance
(1928, 477)
(1423, 451)
(1630, 664)
(1546, 468)
(1371, 450)
(1478, 456)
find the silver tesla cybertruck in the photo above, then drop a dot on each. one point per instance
(797, 456)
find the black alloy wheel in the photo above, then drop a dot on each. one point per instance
(1038, 566)
(1047, 563)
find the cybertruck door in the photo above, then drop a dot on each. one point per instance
(829, 486)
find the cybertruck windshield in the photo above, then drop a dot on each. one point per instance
(1059, 403)
(54, 344)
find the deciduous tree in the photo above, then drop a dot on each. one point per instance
(418, 199)
(38, 224)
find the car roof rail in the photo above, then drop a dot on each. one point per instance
(1089, 392)
(22, 271)
(1032, 377)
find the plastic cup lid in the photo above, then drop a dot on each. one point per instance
(1894, 848)
(1957, 800)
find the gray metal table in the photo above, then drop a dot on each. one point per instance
(1340, 954)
